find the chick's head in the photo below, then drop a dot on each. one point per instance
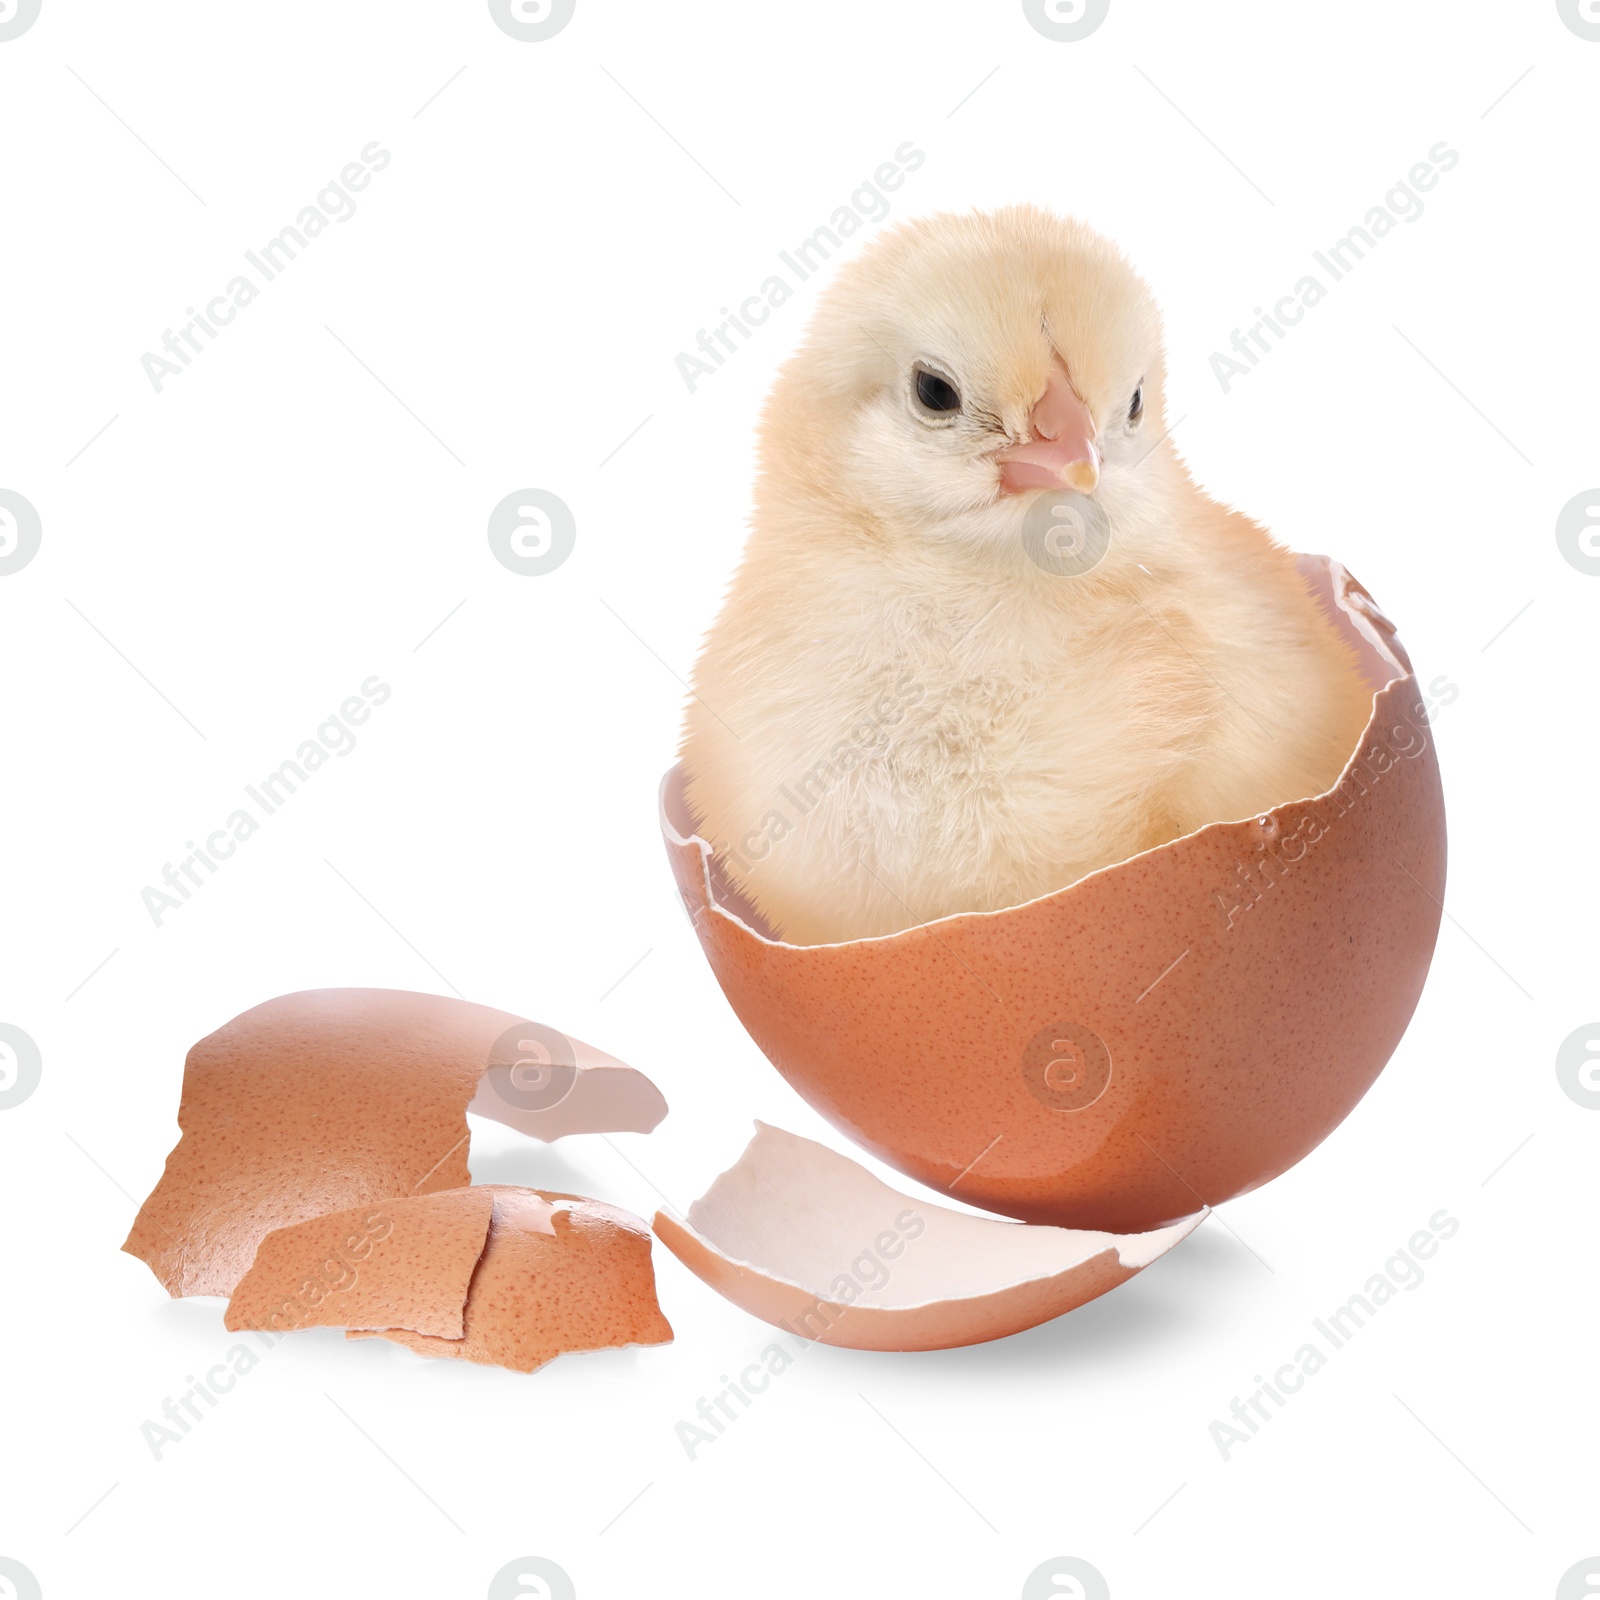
(965, 365)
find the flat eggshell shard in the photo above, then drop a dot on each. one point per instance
(809, 1241)
(397, 1263)
(559, 1274)
(333, 1098)
(1168, 1032)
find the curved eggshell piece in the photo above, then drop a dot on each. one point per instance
(1163, 1034)
(810, 1241)
(402, 1263)
(559, 1274)
(332, 1098)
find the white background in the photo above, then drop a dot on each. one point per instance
(230, 558)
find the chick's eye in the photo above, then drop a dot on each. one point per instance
(1136, 405)
(935, 393)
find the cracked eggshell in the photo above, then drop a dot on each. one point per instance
(806, 1239)
(1167, 1032)
(403, 1263)
(332, 1098)
(559, 1274)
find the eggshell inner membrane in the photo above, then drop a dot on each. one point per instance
(809, 1240)
(329, 1099)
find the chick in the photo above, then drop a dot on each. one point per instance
(913, 702)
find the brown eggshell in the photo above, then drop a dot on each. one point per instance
(397, 1264)
(335, 1098)
(1168, 1032)
(559, 1274)
(808, 1240)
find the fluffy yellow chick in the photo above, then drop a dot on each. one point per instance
(940, 681)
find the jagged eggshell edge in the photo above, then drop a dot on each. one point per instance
(784, 1233)
(327, 1099)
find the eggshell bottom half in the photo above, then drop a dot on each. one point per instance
(1164, 1034)
(558, 1274)
(808, 1240)
(315, 1102)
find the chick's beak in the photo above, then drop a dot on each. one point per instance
(1062, 453)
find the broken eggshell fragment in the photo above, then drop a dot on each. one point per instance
(1167, 1032)
(810, 1241)
(332, 1098)
(558, 1274)
(403, 1263)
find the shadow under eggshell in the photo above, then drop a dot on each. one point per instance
(1163, 1034)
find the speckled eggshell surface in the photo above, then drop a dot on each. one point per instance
(403, 1263)
(559, 1274)
(334, 1098)
(1164, 1034)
